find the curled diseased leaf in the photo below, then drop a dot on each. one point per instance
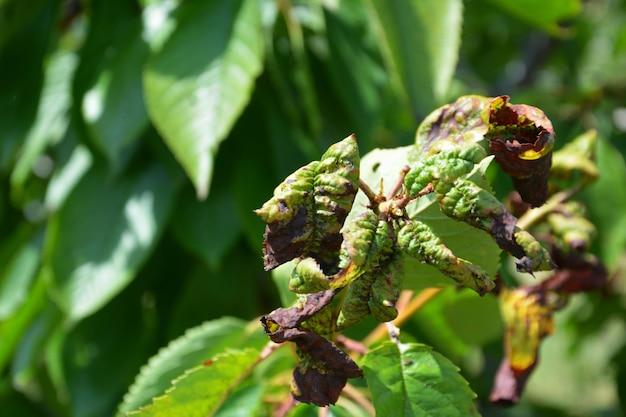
(356, 304)
(463, 199)
(521, 137)
(384, 295)
(455, 124)
(288, 318)
(528, 319)
(307, 211)
(508, 384)
(570, 229)
(575, 160)
(368, 242)
(418, 240)
(307, 277)
(324, 368)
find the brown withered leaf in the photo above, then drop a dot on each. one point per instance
(324, 368)
(521, 138)
(288, 318)
(508, 384)
(576, 273)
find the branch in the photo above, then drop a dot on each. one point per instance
(399, 182)
(358, 397)
(285, 407)
(369, 193)
(533, 216)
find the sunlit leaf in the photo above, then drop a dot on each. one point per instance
(200, 391)
(411, 380)
(194, 98)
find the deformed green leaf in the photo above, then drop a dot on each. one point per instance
(382, 164)
(575, 160)
(419, 240)
(201, 390)
(195, 346)
(454, 124)
(194, 98)
(305, 215)
(411, 380)
(367, 244)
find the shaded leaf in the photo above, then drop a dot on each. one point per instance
(194, 98)
(52, 117)
(540, 14)
(421, 40)
(110, 84)
(208, 228)
(413, 380)
(19, 268)
(108, 230)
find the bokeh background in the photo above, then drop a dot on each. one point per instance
(137, 136)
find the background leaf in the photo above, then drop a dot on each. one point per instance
(194, 98)
(421, 42)
(109, 228)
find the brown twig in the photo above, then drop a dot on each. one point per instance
(418, 302)
(357, 396)
(351, 344)
(285, 407)
(369, 193)
(399, 182)
(323, 412)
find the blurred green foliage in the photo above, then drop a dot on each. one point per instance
(137, 136)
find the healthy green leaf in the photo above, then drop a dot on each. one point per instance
(200, 391)
(113, 106)
(18, 271)
(21, 73)
(52, 115)
(73, 162)
(545, 15)
(196, 345)
(102, 235)
(421, 39)
(207, 228)
(244, 402)
(411, 380)
(194, 98)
